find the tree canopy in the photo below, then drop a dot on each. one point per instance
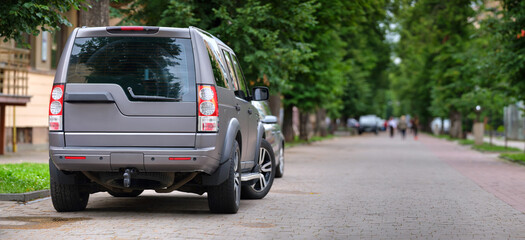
(32, 16)
(316, 53)
(455, 55)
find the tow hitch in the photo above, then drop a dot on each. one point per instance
(127, 177)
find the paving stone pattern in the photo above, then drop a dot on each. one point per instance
(366, 187)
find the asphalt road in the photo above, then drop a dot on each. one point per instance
(366, 187)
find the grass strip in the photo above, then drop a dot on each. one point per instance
(486, 147)
(466, 142)
(23, 177)
(516, 157)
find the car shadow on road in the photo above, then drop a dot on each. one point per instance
(150, 204)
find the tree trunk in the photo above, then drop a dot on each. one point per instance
(456, 129)
(333, 126)
(303, 125)
(321, 126)
(288, 123)
(96, 16)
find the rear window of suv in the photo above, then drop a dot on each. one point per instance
(147, 68)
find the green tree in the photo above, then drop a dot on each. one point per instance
(437, 72)
(266, 32)
(312, 52)
(513, 38)
(367, 59)
(32, 16)
(454, 57)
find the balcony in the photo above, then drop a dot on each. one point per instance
(14, 65)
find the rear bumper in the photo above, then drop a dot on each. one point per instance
(146, 159)
(104, 159)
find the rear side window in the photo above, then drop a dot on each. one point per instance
(147, 68)
(217, 64)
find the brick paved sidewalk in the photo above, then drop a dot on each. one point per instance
(362, 187)
(504, 179)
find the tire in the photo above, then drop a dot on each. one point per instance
(226, 197)
(266, 167)
(279, 170)
(134, 193)
(66, 194)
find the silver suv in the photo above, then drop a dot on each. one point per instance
(135, 108)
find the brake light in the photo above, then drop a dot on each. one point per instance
(132, 29)
(56, 107)
(75, 157)
(208, 108)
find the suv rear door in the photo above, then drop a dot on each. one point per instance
(130, 91)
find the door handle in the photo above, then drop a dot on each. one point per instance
(237, 107)
(250, 111)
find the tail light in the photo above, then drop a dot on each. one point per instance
(208, 109)
(56, 107)
(132, 30)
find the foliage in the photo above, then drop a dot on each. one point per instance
(316, 53)
(367, 59)
(23, 177)
(32, 16)
(451, 54)
(268, 32)
(513, 35)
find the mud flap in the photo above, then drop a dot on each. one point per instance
(60, 176)
(218, 177)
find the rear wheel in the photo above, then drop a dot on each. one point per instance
(266, 168)
(133, 193)
(226, 197)
(66, 192)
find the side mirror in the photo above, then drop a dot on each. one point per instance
(269, 119)
(260, 93)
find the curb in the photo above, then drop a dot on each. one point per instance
(24, 197)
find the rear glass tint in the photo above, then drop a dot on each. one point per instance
(147, 68)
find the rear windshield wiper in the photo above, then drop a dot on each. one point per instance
(146, 97)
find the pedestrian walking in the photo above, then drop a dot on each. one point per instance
(402, 126)
(392, 125)
(415, 126)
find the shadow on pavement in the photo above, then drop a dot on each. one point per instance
(149, 204)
